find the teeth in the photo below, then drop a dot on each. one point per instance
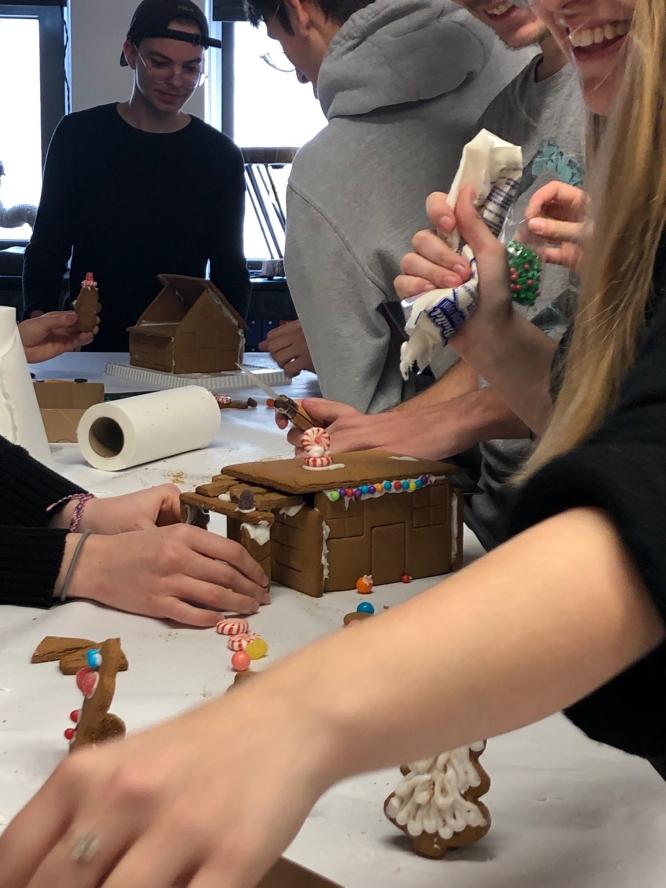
(591, 36)
(500, 9)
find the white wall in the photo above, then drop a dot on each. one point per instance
(98, 29)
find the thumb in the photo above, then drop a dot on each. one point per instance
(471, 226)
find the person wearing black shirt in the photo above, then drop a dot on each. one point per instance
(139, 188)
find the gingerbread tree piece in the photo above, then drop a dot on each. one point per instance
(437, 802)
(70, 652)
(95, 723)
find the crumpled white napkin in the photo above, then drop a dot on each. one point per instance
(493, 168)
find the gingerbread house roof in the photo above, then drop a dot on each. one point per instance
(349, 470)
(173, 303)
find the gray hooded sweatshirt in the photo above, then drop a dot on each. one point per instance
(402, 86)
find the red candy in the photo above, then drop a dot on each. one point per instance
(69, 734)
(232, 626)
(240, 662)
(86, 681)
(406, 578)
(397, 485)
(240, 642)
(74, 715)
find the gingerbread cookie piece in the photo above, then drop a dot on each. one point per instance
(53, 647)
(437, 802)
(87, 305)
(94, 722)
(71, 652)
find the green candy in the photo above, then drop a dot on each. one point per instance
(525, 271)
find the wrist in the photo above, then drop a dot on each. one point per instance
(85, 577)
(69, 511)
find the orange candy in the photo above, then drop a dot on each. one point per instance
(364, 585)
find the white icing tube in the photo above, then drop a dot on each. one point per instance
(20, 419)
(121, 434)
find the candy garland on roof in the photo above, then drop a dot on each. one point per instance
(363, 491)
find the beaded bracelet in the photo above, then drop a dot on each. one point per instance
(81, 500)
(72, 564)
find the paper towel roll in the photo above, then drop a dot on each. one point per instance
(125, 433)
(20, 419)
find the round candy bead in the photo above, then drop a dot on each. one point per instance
(232, 626)
(387, 485)
(334, 495)
(257, 648)
(378, 488)
(406, 578)
(74, 715)
(365, 608)
(69, 733)
(364, 585)
(349, 492)
(397, 485)
(94, 658)
(418, 483)
(412, 486)
(405, 485)
(240, 661)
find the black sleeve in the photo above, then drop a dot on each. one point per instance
(28, 488)
(50, 246)
(30, 560)
(30, 552)
(228, 268)
(622, 470)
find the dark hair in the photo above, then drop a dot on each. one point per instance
(258, 11)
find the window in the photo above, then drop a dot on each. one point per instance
(32, 100)
(259, 104)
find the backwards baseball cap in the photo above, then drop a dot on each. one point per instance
(153, 17)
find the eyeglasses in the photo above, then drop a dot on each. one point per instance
(279, 62)
(192, 75)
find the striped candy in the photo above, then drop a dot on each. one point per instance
(232, 626)
(240, 642)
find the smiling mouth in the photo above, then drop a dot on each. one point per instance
(500, 9)
(588, 41)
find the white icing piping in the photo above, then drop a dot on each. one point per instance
(259, 533)
(326, 532)
(225, 497)
(404, 458)
(291, 511)
(324, 468)
(430, 799)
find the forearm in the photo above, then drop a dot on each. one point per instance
(519, 635)
(517, 364)
(459, 380)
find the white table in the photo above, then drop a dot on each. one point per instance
(566, 812)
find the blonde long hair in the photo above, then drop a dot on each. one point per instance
(628, 187)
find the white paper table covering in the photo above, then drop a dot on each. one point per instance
(567, 813)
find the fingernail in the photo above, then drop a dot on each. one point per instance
(267, 598)
(536, 226)
(450, 281)
(461, 271)
(445, 223)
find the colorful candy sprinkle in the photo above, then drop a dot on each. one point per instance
(69, 734)
(365, 608)
(364, 584)
(406, 578)
(240, 661)
(94, 658)
(74, 715)
(256, 648)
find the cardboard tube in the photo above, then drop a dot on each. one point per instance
(120, 434)
(20, 418)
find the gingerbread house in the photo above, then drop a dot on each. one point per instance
(188, 328)
(319, 531)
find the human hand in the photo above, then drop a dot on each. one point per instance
(180, 573)
(288, 348)
(202, 800)
(49, 335)
(433, 265)
(155, 507)
(557, 215)
(325, 414)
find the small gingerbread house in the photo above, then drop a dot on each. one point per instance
(319, 531)
(188, 328)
